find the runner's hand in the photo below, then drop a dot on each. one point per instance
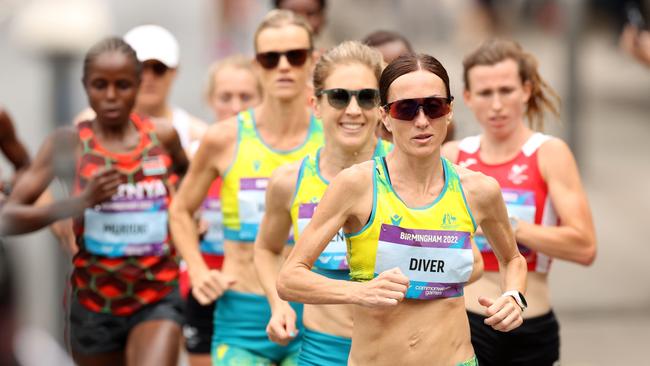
(503, 314)
(281, 328)
(209, 285)
(101, 186)
(387, 289)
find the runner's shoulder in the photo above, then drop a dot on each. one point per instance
(450, 150)
(477, 186)
(282, 183)
(221, 135)
(357, 178)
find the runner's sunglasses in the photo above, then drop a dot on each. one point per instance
(340, 98)
(270, 60)
(407, 109)
(158, 68)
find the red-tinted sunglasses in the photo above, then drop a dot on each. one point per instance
(270, 60)
(407, 109)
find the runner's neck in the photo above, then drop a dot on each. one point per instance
(495, 150)
(334, 158)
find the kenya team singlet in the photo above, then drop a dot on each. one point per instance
(124, 260)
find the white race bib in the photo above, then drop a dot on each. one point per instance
(520, 204)
(251, 198)
(117, 234)
(437, 262)
(334, 256)
(212, 242)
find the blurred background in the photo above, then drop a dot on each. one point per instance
(604, 310)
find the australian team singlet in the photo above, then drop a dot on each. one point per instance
(244, 183)
(431, 245)
(310, 187)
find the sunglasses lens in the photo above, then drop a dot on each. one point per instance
(297, 57)
(405, 109)
(368, 98)
(435, 107)
(338, 98)
(159, 68)
(268, 60)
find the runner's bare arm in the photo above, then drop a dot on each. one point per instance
(346, 203)
(478, 266)
(486, 202)
(575, 238)
(168, 136)
(206, 166)
(274, 229)
(271, 240)
(20, 216)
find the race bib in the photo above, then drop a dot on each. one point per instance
(520, 204)
(251, 206)
(437, 262)
(334, 256)
(212, 242)
(120, 233)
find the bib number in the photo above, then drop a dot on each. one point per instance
(119, 234)
(212, 242)
(520, 204)
(251, 198)
(437, 262)
(334, 256)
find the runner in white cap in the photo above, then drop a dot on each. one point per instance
(158, 51)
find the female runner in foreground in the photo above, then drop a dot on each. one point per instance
(409, 219)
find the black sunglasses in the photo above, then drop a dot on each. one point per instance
(407, 109)
(157, 67)
(270, 60)
(340, 98)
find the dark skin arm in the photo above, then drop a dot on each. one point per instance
(19, 215)
(168, 137)
(11, 147)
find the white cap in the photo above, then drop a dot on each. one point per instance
(153, 42)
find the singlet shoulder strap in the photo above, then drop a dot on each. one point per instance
(383, 148)
(470, 144)
(245, 119)
(450, 170)
(86, 134)
(381, 174)
(534, 142)
(303, 165)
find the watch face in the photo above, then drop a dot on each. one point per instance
(523, 300)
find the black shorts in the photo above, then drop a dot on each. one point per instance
(199, 325)
(535, 343)
(94, 333)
